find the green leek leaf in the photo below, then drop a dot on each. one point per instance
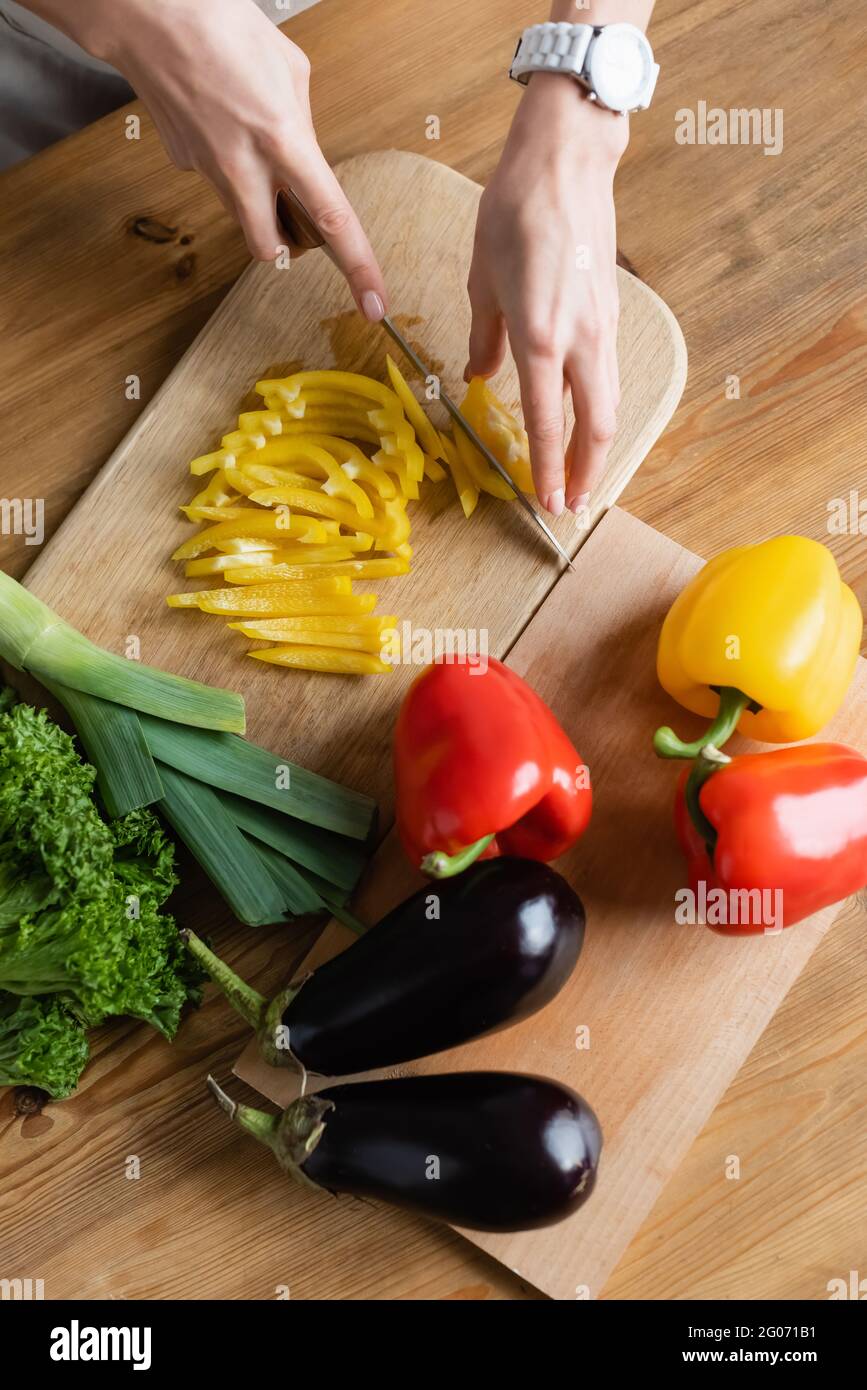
(226, 855)
(234, 765)
(113, 739)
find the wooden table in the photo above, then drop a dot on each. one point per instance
(110, 261)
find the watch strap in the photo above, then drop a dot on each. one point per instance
(551, 47)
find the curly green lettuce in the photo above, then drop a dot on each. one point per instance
(41, 1044)
(80, 901)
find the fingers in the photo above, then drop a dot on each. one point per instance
(541, 380)
(316, 184)
(249, 190)
(593, 380)
(488, 330)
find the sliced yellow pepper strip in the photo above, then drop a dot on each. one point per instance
(270, 525)
(221, 564)
(334, 659)
(390, 525)
(330, 422)
(432, 470)
(397, 466)
(355, 569)
(427, 436)
(309, 635)
(206, 463)
(282, 629)
(216, 494)
(310, 554)
(480, 470)
(263, 422)
(465, 487)
(342, 401)
(309, 460)
(277, 601)
(227, 513)
(290, 387)
(397, 435)
(356, 464)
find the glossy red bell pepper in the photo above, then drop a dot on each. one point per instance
(791, 823)
(482, 768)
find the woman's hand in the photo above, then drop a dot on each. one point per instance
(229, 95)
(543, 271)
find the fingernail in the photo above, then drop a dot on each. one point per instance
(555, 501)
(372, 306)
(580, 501)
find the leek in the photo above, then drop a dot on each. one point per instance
(113, 739)
(234, 765)
(34, 639)
(298, 896)
(226, 855)
(330, 858)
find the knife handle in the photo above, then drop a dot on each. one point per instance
(297, 222)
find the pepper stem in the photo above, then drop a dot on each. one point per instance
(732, 703)
(256, 1122)
(442, 865)
(251, 1005)
(709, 761)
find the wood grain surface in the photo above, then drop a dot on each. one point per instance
(110, 263)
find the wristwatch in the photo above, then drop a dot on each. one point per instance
(613, 62)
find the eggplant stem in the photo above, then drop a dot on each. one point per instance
(256, 1122)
(251, 1005)
(438, 864)
(732, 703)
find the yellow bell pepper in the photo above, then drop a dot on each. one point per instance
(500, 432)
(765, 638)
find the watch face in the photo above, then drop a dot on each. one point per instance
(620, 64)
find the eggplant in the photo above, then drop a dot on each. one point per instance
(491, 1151)
(458, 959)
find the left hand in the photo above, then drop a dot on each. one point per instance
(544, 272)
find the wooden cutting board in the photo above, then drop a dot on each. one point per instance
(672, 1011)
(107, 569)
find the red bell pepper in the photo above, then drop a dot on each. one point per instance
(791, 823)
(483, 768)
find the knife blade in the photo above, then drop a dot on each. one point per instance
(303, 231)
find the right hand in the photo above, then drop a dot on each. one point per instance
(229, 95)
